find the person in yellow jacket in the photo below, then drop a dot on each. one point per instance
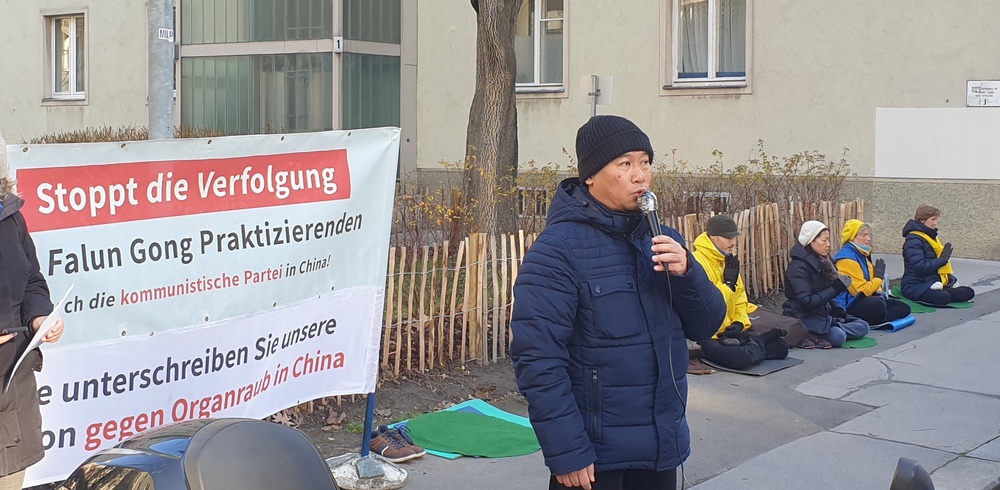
(734, 345)
(865, 297)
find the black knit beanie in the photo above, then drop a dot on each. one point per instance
(604, 138)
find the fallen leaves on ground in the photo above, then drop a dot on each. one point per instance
(334, 420)
(443, 404)
(485, 392)
(287, 417)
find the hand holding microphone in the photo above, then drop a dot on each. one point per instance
(668, 255)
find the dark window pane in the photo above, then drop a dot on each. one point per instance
(226, 21)
(732, 38)
(79, 55)
(260, 93)
(370, 91)
(372, 20)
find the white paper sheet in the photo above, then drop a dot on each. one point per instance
(47, 325)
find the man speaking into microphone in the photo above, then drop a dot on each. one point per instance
(602, 306)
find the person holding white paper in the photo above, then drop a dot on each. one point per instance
(24, 302)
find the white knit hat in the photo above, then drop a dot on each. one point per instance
(809, 231)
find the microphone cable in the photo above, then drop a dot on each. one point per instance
(673, 380)
(648, 205)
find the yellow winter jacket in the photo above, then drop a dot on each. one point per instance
(714, 262)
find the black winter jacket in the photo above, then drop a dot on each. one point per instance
(920, 263)
(24, 295)
(810, 292)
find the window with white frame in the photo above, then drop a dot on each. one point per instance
(67, 46)
(709, 40)
(538, 43)
(533, 202)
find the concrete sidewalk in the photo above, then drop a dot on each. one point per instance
(841, 420)
(933, 400)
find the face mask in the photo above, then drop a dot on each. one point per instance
(724, 253)
(864, 248)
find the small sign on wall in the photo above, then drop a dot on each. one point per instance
(983, 93)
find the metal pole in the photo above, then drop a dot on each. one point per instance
(368, 466)
(161, 69)
(595, 81)
(366, 439)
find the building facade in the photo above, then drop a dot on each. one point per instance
(242, 67)
(887, 80)
(72, 65)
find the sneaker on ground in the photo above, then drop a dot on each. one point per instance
(403, 433)
(806, 343)
(391, 447)
(695, 366)
(819, 342)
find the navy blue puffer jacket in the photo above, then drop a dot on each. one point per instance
(920, 263)
(598, 339)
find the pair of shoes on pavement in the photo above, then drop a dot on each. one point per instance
(394, 444)
(695, 366)
(813, 341)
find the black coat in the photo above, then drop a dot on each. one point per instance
(920, 263)
(810, 292)
(24, 295)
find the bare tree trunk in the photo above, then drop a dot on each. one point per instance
(491, 140)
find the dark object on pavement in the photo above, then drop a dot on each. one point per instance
(910, 476)
(207, 454)
(762, 320)
(762, 368)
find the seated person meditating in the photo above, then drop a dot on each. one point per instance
(927, 272)
(865, 297)
(734, 345)
(811, 288)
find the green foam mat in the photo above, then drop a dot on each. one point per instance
(915, 307)
(475, 405)
(957, 305)
(861, 343)
(472, 434)
(925, 306)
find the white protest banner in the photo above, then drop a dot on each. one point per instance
(214, 277)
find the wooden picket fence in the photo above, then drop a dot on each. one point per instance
(767, 234)
(451, 302)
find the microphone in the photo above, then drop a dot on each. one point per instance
(647, 204)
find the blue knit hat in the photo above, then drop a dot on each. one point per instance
(604, 138)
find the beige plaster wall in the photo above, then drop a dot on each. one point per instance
(968, 214)
(819, 71)
(116, 67)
